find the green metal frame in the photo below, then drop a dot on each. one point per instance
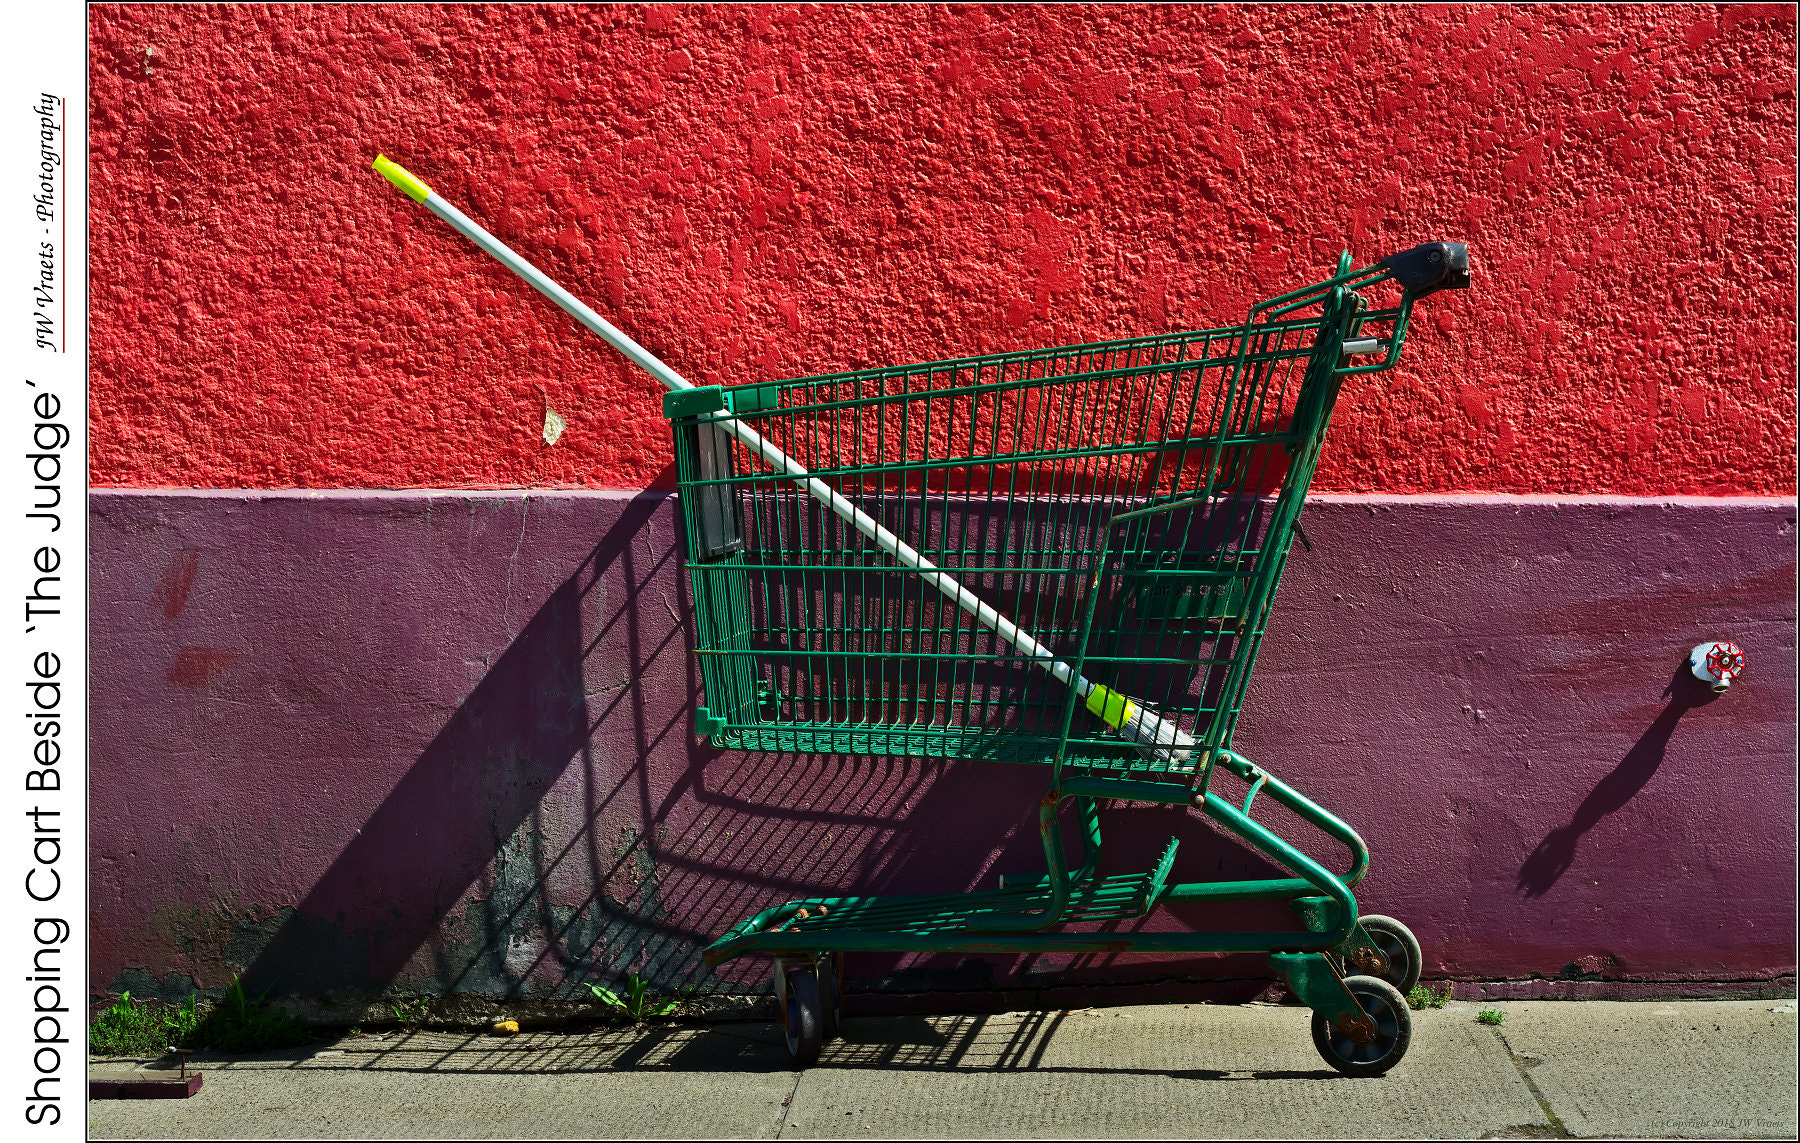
(1131, 503)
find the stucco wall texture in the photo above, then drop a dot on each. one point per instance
(756, 192)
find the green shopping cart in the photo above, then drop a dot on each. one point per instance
(1064, 557)
(853, 539)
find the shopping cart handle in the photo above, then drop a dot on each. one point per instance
(1430, 267)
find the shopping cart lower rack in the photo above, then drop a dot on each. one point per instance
(1064, 557)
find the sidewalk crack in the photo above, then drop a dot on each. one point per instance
(781, 1122)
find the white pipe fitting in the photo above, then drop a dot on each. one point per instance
(1716, 664)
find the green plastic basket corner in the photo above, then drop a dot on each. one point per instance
(693, 402)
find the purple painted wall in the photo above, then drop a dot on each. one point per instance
(443, 742)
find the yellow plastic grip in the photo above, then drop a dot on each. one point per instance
(1108, 705)
(401, 177)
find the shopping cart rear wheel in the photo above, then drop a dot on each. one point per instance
(802, 1021)
(1393, 1030)
(830, 970)
(1400, 947)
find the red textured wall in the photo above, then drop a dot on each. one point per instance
(764, 192)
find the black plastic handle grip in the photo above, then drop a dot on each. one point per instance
(1430, 267)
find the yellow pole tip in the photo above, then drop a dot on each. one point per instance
(1109, 706)
(393, 172)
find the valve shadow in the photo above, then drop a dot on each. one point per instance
(1556, 852)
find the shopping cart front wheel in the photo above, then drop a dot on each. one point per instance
(1378, 1045)
(799, 1010)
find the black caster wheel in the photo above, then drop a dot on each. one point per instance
(830, 972)
(797, 1005)
(1400, 947)
(1378, 1045)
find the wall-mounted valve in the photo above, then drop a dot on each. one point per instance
(1716, 664)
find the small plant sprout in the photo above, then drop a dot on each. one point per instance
(1492, 1017)
(637, 1005)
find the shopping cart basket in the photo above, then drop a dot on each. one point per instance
(1130, 505)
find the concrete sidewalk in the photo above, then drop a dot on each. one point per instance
(1553, 1069)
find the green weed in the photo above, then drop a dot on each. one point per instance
(240, 1023)
(409, 1014)
(1421, 997)
(1490, 1016)
(237, 1023)
(637, 1005)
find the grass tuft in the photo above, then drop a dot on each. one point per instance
(1421, 997)
(241, 1024)
(142, 1027)
(1490, 1016)
(237, 1023)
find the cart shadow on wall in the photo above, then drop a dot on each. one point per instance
(467, 814)
(464, 881)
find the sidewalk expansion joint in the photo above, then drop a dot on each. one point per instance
(1556, 1130)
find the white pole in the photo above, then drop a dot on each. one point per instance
(1148, 728)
